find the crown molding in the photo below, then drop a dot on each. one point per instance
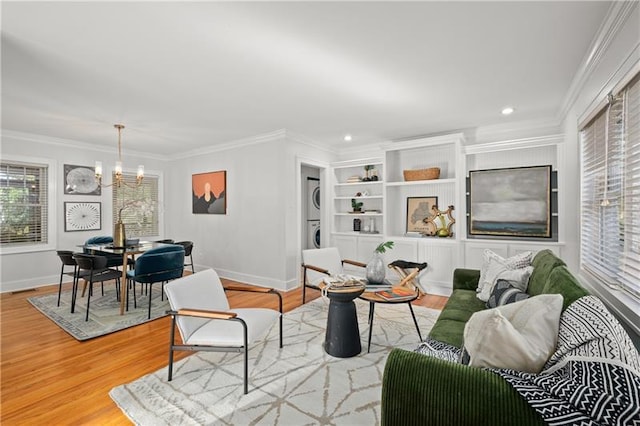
(70, 143)
(616, 17)
(235, 144)
(303, 140)
(506, 145)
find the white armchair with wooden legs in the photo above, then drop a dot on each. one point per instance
(200, 309)
(320, 263)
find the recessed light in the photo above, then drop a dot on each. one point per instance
(507, 110)
(347, 138)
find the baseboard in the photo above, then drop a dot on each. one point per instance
(30, 283)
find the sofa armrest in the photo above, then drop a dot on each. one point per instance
(423, 390)
(466, 279)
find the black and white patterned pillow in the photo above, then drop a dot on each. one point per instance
(503, 294)
(439, 350)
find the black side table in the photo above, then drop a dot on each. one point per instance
(342, 339)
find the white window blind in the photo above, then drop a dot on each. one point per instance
(610, 193)
(23, 203)
(137, 206)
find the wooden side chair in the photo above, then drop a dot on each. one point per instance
(408, 272)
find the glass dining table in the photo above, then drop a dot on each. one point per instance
(126, 253)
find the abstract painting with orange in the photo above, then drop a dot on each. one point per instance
(209, 192)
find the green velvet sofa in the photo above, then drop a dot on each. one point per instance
(423, 390)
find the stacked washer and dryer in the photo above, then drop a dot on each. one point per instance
(313, 213)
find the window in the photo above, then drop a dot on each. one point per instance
(137, 206)
(610, 193)
(24, 204)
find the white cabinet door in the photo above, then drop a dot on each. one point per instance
(441, 260)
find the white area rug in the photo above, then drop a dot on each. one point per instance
(299, 384)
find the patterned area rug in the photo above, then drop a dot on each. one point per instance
(296, 385)
(104, 312)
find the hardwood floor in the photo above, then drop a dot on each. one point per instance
(48, 377)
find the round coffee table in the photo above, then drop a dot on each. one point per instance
(342, 338)
(374, 298)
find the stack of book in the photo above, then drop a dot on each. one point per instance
(354, 179)
(397, 294)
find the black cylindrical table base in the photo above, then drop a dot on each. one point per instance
(343, 335)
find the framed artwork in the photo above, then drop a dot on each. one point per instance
(514, 202)
(80, 180)
(419, 209)
(209, 192)
(81, 216)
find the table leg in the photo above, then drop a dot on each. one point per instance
(123, 283)
(371, 307)
(415, 321)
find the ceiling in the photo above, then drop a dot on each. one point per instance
(182, 76)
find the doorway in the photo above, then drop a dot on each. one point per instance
(311, 207)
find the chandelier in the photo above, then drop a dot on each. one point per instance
(118, 179)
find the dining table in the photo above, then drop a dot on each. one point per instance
(130, 251)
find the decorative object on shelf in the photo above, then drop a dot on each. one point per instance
(442, 220)
(82, 216)
(374, 175)
(419, 209)
(376, 268)
(513, 202)
(356, 205)
(209, 192)
(356, 225)
(368, 173)
(118, 179)
(422, 174)
(80, 180)
(372, 225)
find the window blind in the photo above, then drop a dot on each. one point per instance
(23, 203)
(610, 192)
(137, 206)
(629, 274)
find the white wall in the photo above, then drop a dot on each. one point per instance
(258, 240)
(33, 269)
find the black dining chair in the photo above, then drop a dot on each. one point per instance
(66, 257)
(188, 249)
(95, 268)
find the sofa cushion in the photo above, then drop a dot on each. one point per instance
(518, 278)
(519, 336)
(543, 263)
(449, 327)
(561, 281)
(504, 293)
(489, 258)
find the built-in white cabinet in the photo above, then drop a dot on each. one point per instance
(385, 202)
(352, 182)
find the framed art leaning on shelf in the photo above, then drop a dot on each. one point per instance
(418, 209)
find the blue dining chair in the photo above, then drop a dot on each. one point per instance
(158, 265)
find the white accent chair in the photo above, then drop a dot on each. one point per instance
(320, 263)
(200, 309)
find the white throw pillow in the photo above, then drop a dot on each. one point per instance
(518, 278)
(518, 261)
(520, 336)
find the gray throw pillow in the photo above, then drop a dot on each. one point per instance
(503, 294)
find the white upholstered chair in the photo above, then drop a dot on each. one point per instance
(320, 263)
(200, 309)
